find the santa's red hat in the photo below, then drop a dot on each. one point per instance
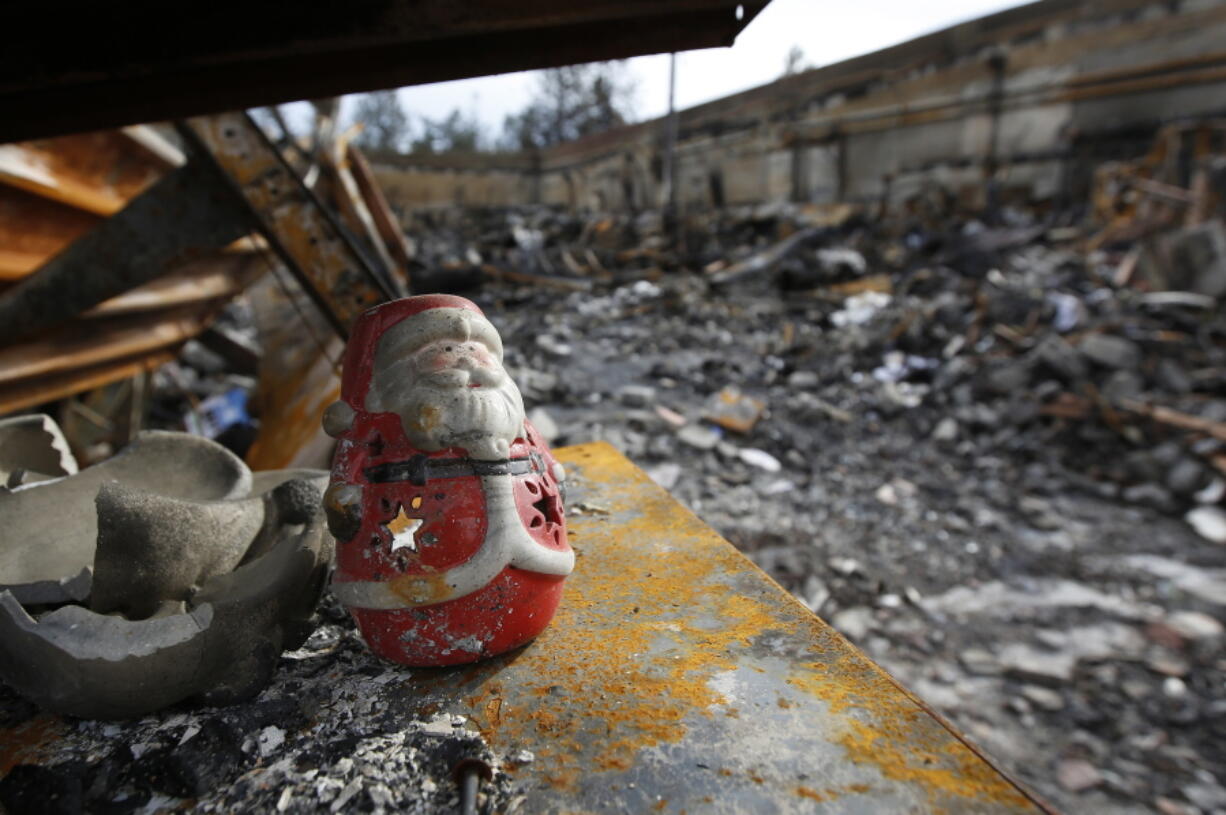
(433, 317)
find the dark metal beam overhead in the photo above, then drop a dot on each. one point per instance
(83, 66)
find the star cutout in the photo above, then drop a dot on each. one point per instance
(403, 530)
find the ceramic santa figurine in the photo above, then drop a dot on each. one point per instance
(445, 502)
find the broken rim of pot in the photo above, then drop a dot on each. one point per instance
(33, 448)
(223, 648)
(51, 527)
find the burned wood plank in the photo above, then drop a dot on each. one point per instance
(183, 215)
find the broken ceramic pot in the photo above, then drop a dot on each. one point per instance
(196, 589)
(446, 503)
(51, 528)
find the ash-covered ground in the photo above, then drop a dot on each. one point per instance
(331, 733)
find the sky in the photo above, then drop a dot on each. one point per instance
(826, 31)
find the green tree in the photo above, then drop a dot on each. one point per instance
(795, 62)
(386, 122)
(569, 103)
(453, 133)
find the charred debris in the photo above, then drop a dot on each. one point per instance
(982, 434)
(988, 446)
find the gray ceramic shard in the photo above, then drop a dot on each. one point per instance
(222, 649)
(33, 444)
(50, 528)
(266, 606)
(286, 501)
(152, 548)
(92, 665)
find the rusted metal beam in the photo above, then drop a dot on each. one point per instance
(298, 227)
(70, 348)
(101, 67)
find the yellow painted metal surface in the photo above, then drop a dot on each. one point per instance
(678, 677)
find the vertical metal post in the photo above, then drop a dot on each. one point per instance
(670, 139)
(997, 63)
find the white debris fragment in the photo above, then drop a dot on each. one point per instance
(1028, 662)
(760, 459)
(860, 308)
(1209, 523)
(854, 623)
(779, 486)
(666, 474)
(814, 594)
(894, 491)
(839, 258)
(702, 438)
(1211, 493)
(1174, 687)
(351, 789)
(270, 739)
(946, 430)
(998, 600)
(544, 424)
(1195, 626)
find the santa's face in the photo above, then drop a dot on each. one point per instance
(452, 393)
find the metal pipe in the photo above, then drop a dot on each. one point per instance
(469, 786)
(670, 136)
(468, 774)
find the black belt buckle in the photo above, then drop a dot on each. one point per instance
(420, 469)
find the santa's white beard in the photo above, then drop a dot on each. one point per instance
(441, 411)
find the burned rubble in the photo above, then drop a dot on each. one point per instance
(982, 455)
(975, 419)
(326, 735)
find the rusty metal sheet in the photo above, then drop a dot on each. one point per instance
(33, 229)
(678, 677)
(94, 172)
(71, 348)
(31, 393)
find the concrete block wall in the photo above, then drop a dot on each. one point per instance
(1010, 95)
